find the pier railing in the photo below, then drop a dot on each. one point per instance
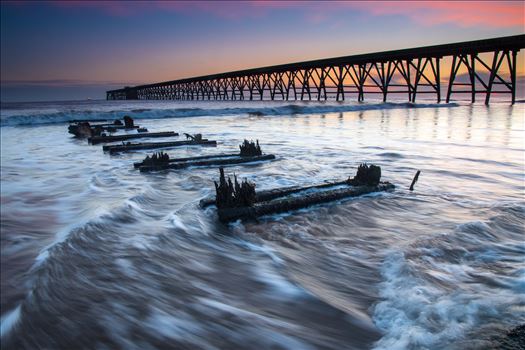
(409, 71)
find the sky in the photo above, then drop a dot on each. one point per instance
(55, 50)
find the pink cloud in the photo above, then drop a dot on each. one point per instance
(460, 13)
(500, 14)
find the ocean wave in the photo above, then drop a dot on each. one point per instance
(424, 284)
(16, 118)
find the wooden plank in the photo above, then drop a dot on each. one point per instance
(102, 139)
(173, 160)
(211, 162)
(279, 192)
(155, 145)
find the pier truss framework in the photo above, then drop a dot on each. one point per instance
(489, 67)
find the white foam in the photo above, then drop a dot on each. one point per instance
(126, 266)
(178, 223)
(279, 284)
(139, 242)
(178, 325)
(9, 321)
(171, 326)
(101, 112)
(41, 257)
(244, 314)
(264, 249)
(416, 313)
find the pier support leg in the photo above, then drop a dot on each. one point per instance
(492, 77)
(438, 80)
(472, 71)
(453, 71)
(513, 75)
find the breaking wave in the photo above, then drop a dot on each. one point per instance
(478, 266)
(18, 115)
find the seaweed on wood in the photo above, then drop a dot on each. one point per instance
(157, 159)
(128, 122)
(232, 195)
(368, 175)
(250, 149)
(84, 129)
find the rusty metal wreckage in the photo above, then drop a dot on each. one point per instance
(408, 71)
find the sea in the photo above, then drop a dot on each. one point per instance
(96, 255)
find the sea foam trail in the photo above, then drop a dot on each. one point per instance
(23, 117)
(9, 321)
(448, 289)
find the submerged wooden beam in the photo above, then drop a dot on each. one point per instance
(298, 202)
(155, 145)
(236, 200)
(278, 192)
(209, 162)
(101, 139)
(249, 152)
(174, 160)
(83, 128)
(84, 131)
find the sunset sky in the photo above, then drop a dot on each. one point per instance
(66, 50)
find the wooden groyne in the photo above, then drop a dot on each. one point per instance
(236, 200)
(84, 128)
(240, 201)
(104, 139)
(210, 161)
(174, 160)
(249, 152)
(155, 145)
(267, 195)
(293, 203)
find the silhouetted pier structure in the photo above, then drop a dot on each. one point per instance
(409, 71)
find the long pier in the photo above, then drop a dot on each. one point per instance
(409, 71)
